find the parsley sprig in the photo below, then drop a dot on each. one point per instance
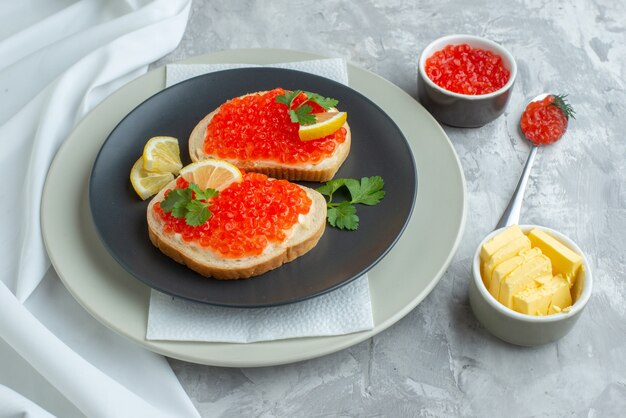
(191, 203)
(368, 191)
(302, 113)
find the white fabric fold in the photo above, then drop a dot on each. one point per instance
(13, 404)
(342, 311)
(38, 129)
(59, 59)
(92, 391)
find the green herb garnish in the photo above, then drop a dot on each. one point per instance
(191, 203)
(560, 101)
(302, 113)
(368, 191)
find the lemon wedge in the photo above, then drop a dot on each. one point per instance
(325, 124)
(212, 173)
(146, 183)
(161, 154)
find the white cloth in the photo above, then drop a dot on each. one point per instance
(12, 404)
(343, 311)
(58, 59)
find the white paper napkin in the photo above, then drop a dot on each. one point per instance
(342, 311)
(332, 68)
(58, 59)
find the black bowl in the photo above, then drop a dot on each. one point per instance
(462, 110)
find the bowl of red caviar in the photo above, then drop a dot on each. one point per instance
(464, 80)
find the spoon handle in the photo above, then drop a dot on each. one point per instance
(512, 212)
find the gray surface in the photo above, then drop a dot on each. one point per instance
(438, 361)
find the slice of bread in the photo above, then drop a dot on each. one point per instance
(301, 238)
(323, 171)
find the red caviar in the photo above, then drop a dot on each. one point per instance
(247, 216)
(543, 122)
(256, 127)
(466, 70)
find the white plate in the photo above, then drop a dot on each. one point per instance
(397, 284)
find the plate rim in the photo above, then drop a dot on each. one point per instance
(210, 353)
(369, 264)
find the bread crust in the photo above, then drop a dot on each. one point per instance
(323, 171)
(301, 238)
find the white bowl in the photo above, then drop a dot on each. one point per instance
(518, 328)
(464, 110)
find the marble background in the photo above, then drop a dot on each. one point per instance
(438, 361)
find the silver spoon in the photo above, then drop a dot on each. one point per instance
(512, 212)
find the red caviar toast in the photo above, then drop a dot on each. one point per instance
(255, 133)
(256, 225)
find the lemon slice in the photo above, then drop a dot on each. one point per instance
(211, 173)
(146, 183)
(325, 124)
(162, 154)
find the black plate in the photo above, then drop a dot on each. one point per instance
(378, 148)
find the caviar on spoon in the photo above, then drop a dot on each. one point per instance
(543, 122)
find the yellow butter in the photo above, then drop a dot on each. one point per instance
(510, 249)
(533, 300)
(506, 267)
(564, 260)
(523, 277)
(494, 244)
(562, 297)
(550, 298)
